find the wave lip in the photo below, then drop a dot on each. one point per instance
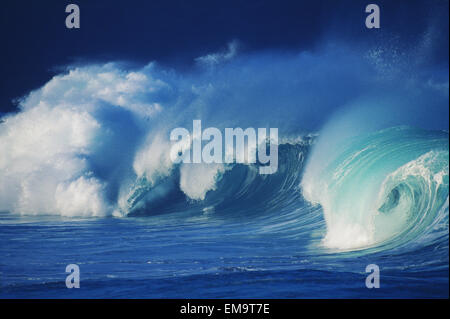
(386, 187)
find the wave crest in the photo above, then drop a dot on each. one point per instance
(381, 188)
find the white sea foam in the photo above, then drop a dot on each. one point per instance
(81, 144)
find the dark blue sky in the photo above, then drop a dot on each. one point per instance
(35, 41)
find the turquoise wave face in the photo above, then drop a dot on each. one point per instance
(382, 188)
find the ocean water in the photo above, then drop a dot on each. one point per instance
(362, 177)
(307, 231)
